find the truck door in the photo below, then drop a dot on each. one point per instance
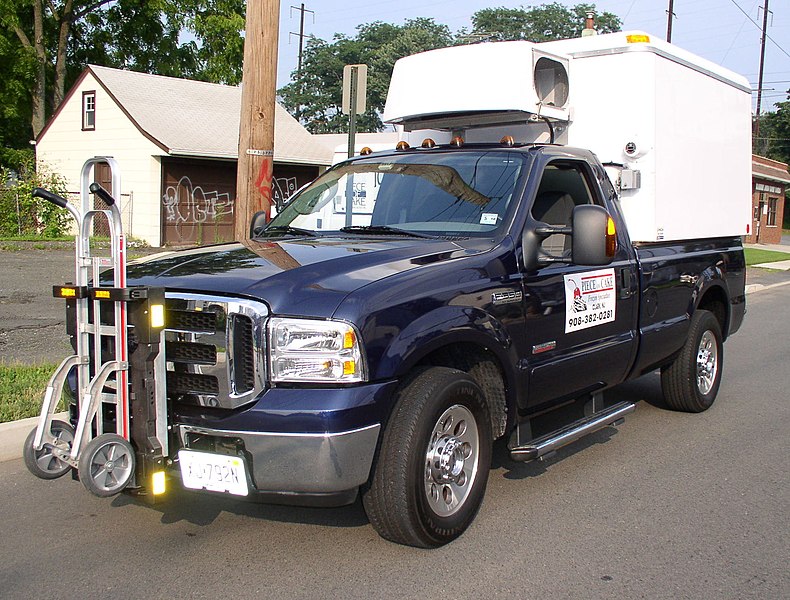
(580, 321)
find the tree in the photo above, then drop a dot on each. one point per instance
(774, 139)
(540, 23)
(17, 67)
(49, 43)
(315, 100)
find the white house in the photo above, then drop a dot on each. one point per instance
(176, 144)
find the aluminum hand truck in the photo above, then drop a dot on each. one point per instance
(110, 451)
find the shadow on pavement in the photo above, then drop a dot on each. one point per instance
(202, 509)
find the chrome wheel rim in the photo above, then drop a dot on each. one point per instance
(707, 362)
(451, 460)
(111, 467)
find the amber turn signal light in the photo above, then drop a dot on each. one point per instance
(611, 238)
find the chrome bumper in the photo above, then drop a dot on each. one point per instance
(311, 463)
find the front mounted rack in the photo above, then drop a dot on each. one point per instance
(117, 435)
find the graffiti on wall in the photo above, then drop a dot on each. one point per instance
(187, 205)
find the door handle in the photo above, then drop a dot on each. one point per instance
(625, 283)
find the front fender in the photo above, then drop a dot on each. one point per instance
(441, 327)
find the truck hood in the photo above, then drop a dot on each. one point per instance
(294, 277)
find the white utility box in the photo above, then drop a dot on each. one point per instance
(676, 128)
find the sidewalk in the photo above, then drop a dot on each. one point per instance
(773, 247)
(763, 269)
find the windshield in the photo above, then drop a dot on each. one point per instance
(457, 194)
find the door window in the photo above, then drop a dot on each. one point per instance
(563, 187)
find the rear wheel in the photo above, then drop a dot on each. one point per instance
(44, 463)
(434, 460)
(692, 381)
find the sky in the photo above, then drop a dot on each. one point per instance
(718, 30)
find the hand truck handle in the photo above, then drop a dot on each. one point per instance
(49, 196)
(97, 189)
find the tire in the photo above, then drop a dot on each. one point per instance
(691, 382)
(106, 465)
(43, 463)
(434, 459)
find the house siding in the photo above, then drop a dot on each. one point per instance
(65, 146)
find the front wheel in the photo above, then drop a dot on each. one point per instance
(106, 465)
(434, 460)
(690, 383)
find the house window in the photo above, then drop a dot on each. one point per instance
(88, 111)
(772, 202)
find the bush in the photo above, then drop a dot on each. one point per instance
(20, 213)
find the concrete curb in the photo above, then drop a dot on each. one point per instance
(759, 287)
(13, 434)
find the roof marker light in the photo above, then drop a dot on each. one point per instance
(507, 141)
(637, 39)
(428, 143)
(365, 151)
(402, 146)
(457, 141)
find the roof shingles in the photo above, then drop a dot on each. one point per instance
(195, 118)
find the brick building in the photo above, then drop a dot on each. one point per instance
(770, 179)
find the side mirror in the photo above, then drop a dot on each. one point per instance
(257, 224)
(593, 239)
(594, 236)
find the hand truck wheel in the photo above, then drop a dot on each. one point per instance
(44, 463)
(106, 465)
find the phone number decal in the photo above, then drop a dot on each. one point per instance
(590, 299)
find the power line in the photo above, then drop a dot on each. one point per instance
(760, 28)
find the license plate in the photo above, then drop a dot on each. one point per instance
(213, 472)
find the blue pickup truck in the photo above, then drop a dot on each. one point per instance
(402, 313)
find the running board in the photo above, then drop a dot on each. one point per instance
(551, 442)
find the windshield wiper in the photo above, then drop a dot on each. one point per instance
(287, 229)
(382, 230)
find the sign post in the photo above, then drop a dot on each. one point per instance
(355, 81)
(355, 84)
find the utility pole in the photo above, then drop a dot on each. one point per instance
(670, 15)
(301, 36)
(760, 76)
(256, 124)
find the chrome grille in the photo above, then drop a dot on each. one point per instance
(214, 350)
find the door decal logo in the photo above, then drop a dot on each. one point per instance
(590, 299)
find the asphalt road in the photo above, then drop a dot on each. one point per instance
(668, 506)
(32, 322)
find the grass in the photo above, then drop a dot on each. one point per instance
(22, 390)
(756, 256)
(36, 238)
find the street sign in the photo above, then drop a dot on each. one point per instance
(355, 84)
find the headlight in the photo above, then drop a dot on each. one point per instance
(304, 350)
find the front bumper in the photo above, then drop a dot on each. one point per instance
(301, 445)
(301, 463)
